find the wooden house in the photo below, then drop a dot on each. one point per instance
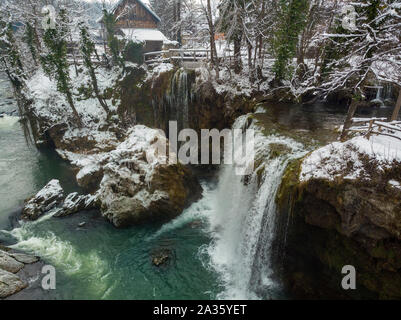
(137, 22)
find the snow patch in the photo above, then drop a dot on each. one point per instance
(345, 158)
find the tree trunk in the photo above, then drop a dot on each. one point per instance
(348, 120)
(74, 57)
(97, 93)
(74, 111)
(250, 66)
(178, 20)
(397, 107)
(213, 50)
(104, 39)
(237, 54)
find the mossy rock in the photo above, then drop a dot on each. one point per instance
(278, 149)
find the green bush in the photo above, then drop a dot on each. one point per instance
(133, 52)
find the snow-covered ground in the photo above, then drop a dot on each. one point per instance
(351, 159)
(53, 105)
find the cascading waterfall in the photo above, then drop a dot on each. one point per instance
(243, 222)
(180, 97)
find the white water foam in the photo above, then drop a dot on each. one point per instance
(197, 211)
(62, 254)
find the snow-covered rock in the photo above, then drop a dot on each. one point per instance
(139, 185)
(74, 203)
(357, 184)
(51, 198)
(89, 177)
(131, 183)
(46, 199)
(352, 159)
(50, 104)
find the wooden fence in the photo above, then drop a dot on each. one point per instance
(177, 55)
(379, 126)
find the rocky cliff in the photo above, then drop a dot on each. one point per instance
(343, 204)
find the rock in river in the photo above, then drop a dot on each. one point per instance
(46, 199)
(139, 184)
(74, 203)
(160, 257)
(11, 265)
(51, 197)
(10, 284)
(8, 263)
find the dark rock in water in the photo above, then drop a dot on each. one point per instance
(389, 102)
(160, 257)
(1, 115)
(3, 248)
(46, 199)
(375, 103)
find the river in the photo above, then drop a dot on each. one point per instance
(219, 247)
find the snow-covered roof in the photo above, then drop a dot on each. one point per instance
(135, 34)
(142, 4)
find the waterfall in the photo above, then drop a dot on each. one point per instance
(179, 97)
(243, 222)
(378, 94)
(388, 93)
(384, 94)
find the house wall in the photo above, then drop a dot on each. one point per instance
(152, 46)
(139, 17)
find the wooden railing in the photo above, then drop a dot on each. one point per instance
(174, 55)
(379, 126)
